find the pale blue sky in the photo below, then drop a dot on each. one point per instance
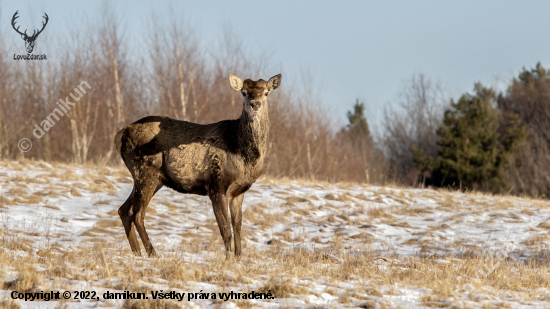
(353, 49)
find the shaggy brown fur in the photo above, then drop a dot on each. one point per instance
(221, 160)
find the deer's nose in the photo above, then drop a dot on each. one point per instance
(255, 104)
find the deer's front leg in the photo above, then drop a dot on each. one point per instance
(236, 220)
(219, 203)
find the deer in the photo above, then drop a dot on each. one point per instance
(29, 40)
(220, 160)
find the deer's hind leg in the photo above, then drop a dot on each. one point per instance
(128, 222)
(143, 193)
(128, 215)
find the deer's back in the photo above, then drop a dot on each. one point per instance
(191, 158)
(154, 134)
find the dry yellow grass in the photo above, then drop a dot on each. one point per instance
(378, 212)
(75, 192)
(27, 279)
(104, 262)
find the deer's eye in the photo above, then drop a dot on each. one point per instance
(266, 94)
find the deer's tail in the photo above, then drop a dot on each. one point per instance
(118, 140)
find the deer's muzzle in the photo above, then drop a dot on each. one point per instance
(255, 105)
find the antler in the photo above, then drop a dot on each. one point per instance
(43, 26)
(13, 24)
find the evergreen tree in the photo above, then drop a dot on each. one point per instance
(528, 98)
(358, 128)
(475, 143)
(357, 136)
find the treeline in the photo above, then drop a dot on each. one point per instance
(485, 140)
(172, 73)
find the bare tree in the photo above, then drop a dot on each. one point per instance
(111, 54)
(413, 123)
(174, 77)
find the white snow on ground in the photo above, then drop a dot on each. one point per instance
(423, 222)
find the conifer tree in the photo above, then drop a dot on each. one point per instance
(358, 127)
(475, 143)
(528, 98)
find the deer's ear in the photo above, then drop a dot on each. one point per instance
(236, 82)
(275, 81)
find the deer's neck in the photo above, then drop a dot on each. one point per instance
(252, 136)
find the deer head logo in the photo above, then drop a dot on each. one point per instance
(29, 40)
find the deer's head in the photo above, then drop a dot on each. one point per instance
(29, 40)
(255, 93)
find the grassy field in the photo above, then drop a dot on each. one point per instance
(311, 245)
